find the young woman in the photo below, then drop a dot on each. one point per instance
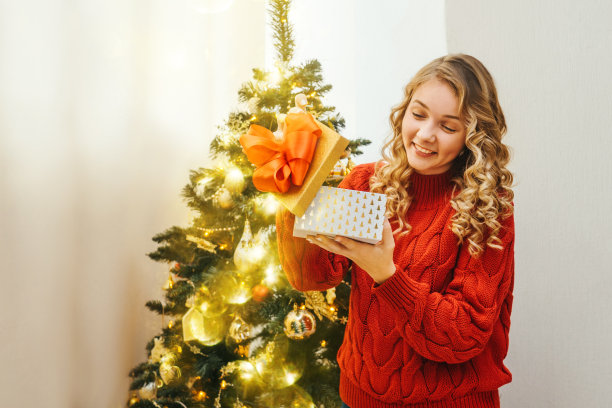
(430, 304)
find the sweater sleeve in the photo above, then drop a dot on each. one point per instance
(455, 325)
(308, 266)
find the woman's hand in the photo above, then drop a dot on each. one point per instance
(375, 259)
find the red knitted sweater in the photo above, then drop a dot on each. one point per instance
(435, 334)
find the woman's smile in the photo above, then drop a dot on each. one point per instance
(422, 151)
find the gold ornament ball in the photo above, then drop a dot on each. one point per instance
(275, 367)
(249, 382)
(210, 305)
(299, 324)
(234, 181)
(233, 287)
(207, 331)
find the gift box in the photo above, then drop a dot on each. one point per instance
(358, 215)
(294, 182)
(330, 147)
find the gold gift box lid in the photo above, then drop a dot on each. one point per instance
(330, 147)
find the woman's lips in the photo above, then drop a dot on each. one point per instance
(420, 153)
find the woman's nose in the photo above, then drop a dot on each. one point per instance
(426, 132)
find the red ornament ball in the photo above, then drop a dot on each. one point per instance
(260, 292)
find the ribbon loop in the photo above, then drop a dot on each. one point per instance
(280, 163)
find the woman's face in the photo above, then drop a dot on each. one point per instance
(432, 122)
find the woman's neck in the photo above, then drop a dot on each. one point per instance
(429, 190)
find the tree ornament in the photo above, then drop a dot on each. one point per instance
(169, 283)
(168, 372)
(316, 302)
(245, 378)
(190, 302)
(330, 295)
(239, 330)
(299, 323)
(201, 243)
(223, 198)
(249, 251)
(301, 101)
(209, 305)
(149, 391)
(274, 367)
(260, 292)
(349, 166)
(234, 181)
(158, 350)
(232, 287)
(207, 331)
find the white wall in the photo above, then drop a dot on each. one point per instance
(368, 51)
(552, 62)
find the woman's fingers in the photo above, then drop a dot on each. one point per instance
(327, 243)
(388, 233)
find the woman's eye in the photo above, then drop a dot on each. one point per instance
(416, 115)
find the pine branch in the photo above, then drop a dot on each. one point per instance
(283, 31)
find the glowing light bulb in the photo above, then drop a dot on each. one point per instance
(291, 377)
(271, 276)
(270, 204)
(276, 77)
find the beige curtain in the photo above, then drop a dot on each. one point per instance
(104, 108)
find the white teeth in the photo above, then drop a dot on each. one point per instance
(421, 149)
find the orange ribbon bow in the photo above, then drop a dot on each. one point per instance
(278, 162)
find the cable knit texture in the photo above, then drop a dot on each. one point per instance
(435, 334)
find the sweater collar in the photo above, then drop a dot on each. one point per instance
(429, 191)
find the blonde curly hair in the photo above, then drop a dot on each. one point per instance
(479, 173)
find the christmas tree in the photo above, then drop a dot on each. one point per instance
(236, 334)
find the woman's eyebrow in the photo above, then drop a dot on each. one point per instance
(425, 106)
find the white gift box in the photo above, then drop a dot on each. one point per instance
(358, 215)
